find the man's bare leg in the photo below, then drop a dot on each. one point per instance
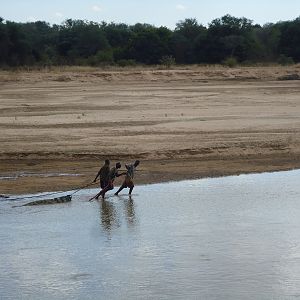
(120, 189)
(130, 190)
(97, 196)
(102, 192)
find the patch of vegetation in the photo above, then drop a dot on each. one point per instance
(126, 62)
(226, 40)
(285, 60)
(167, 61)
(230, 62)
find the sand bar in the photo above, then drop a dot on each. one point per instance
(182, 123)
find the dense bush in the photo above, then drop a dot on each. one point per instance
(167, 61)
(230, 62)
(226, 40)
(285, 60)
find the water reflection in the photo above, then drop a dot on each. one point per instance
(130, 212)
(108, 215)
(111, 213)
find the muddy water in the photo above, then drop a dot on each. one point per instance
(227, 238)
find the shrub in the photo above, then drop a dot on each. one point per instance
(230, 62)
(167, 61)
(285, 60)
(104, 57)
(126, 62)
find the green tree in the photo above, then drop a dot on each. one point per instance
(148, 44)
(4, 43)
(187, 41)
(289, 42)
(19, 48)
(227, 37)
(79, 39)
(267, 39)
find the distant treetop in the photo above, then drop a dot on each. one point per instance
(82, 42)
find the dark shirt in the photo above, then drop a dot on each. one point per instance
(104, 172)
(113, 173)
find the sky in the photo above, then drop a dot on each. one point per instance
(155, 12)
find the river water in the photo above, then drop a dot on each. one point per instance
(234, 237)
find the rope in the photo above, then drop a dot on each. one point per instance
(81, 188)
(48, 194)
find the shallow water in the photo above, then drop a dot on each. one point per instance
(227, 238)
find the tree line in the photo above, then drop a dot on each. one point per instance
(79, 42)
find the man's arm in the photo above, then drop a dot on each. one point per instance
(98, 174)
(118, 175)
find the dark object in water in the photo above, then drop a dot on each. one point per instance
(61, 199)
(3, 196)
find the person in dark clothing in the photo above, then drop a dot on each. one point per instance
(128, 181)
(113, 173)
(103, 174)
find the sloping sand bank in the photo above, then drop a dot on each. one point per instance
(182, 123)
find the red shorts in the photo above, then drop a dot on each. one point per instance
(128, 183)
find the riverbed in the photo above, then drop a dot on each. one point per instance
(235, 237)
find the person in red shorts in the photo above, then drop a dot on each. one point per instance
(128, 181)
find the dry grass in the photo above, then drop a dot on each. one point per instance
(12, 73)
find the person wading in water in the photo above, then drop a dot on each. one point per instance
(103, 174)
(113, 173)
(128, 181)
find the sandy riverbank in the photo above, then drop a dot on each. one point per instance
(182, 123)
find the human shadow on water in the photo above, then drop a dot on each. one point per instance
(108, 215)
(130, 211)
(111, 213)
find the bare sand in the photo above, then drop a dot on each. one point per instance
(182, 123)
